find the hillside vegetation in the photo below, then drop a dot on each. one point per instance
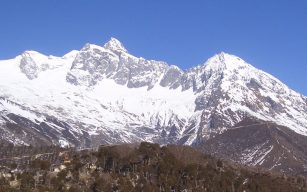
(141, 167)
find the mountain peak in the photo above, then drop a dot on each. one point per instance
(115, 45)
(71, 54)
(34, 55)
(225, 61)
(222, 56)
(30, 53)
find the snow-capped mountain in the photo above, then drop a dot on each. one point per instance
(103, 94)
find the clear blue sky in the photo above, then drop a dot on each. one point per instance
(270, 34)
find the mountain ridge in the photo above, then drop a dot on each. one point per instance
(113, 42)
(88, 97)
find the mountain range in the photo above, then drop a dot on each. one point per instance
(104, 95)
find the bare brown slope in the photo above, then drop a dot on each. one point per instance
(263, 144)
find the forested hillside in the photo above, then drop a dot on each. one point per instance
(140, 167)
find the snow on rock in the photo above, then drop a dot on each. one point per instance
(104, 92)
(115, 46)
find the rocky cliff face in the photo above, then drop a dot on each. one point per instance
(103, 94)
(112, 61)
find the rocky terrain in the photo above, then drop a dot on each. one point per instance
(262, 144)
(105, 95)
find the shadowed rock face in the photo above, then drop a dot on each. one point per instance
(95, 63)
(172, 78)
(263, 144)
(28, 66)
(91, 65)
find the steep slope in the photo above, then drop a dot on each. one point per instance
(231, 90)
(106, 95)
(262, 144)
(94, 63)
